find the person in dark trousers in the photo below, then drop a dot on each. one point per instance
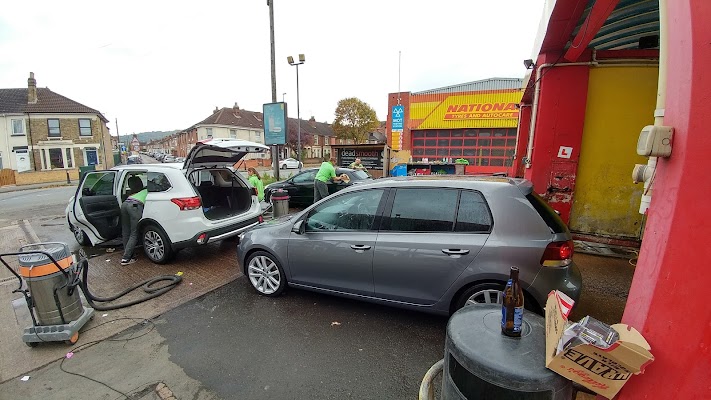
(324, 175)
(131, 213)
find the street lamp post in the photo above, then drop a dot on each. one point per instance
(282, 96)
(302, 59)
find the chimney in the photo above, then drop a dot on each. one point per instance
(235, 108)
(216, 110)
(31, 89)
(312, 121)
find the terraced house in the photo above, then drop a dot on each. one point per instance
(41, 130)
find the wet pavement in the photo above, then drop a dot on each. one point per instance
(606, 284)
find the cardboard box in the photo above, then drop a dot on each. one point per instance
(603, 371)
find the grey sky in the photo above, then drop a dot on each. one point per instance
(158, 65)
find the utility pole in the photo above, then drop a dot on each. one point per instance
(275, 148)
(118, 138)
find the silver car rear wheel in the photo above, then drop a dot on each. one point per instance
(265, 274)
(490, 293)
(486, 296)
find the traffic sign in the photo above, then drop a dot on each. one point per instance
(398, 118)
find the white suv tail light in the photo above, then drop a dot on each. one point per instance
(187, 203)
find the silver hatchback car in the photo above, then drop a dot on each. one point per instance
(431, 243)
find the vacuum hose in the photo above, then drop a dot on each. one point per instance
(80, 279)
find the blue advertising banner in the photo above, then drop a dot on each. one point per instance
(275, 126)
(398, 116)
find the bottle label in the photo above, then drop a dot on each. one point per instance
(518, 319)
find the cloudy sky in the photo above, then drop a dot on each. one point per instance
(163, 65)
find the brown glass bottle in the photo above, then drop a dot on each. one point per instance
(512, 307)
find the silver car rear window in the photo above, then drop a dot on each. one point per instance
(551, 218)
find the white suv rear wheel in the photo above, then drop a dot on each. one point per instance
(156, 244)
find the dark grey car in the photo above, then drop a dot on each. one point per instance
(427, 243)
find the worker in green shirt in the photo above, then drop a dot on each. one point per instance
(131, 213)
(324, 175)
(357, 165)
(256, 181)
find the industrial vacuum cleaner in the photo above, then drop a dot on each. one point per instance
(50, 278)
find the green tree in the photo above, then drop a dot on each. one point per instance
(355, 119)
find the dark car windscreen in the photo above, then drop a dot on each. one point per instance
(551, 218)
(360, 175)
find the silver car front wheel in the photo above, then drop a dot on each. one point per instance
(265, 274)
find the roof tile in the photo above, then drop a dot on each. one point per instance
(15, 101)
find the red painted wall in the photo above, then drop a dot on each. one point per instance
(561, 115)
(668, 300)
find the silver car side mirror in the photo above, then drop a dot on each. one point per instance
(298, 227)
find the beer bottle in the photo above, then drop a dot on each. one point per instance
(512, 307)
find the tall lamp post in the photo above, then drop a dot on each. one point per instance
(302, 59)
(275, 149)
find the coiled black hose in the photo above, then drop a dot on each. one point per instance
(80, 279)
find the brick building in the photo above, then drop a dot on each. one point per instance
(42, 130)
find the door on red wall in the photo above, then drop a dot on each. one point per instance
(488, 150)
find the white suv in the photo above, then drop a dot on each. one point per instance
(198, 202)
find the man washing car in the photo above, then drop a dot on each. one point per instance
(325, 174)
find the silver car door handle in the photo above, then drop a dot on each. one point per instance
(453, 252)
(360, 247)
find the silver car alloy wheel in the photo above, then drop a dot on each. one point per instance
(154, 244)
(487, 296)
(264, 274)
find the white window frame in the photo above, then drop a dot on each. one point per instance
(47, 161)
(80, 127)
(49, 128)
(315, 139)
(233, 133)
(12, 126)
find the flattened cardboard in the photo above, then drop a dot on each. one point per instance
(603, 371)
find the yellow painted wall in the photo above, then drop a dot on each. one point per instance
(621, 100)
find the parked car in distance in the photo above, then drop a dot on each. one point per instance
(431, 243)
(301, 185)
(190, 204)
(169, 158)
(135, 159)
(179, 159)
(290, 163)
